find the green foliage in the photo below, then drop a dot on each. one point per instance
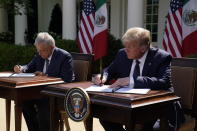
(56, 20)
(193, 56)
(68, 45)
(55, 35)
(11, 54)
(7, 37)
(14, 6)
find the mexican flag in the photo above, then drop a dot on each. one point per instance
(189, 27)
(100, 30)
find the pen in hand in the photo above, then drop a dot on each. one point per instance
(17, 68)
(101, 78)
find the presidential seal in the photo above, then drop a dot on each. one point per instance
(77, 104)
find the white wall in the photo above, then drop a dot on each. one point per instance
(163, 11)
(118, 20)
(115, 18)
(3, 20)
(20, 26)
(45, 8)
(135, 16)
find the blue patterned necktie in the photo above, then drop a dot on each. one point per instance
(136, 72)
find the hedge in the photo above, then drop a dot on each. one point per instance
(11, 54)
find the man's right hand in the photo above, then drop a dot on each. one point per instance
(18, 68)
(96, 79)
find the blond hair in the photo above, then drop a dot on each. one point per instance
(137, 34)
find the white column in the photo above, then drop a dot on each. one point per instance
(3, 20)
(69, 19)
(20, 27)
(116, 20)
(162, 13)
(135, 13)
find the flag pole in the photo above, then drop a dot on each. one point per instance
(101, 65)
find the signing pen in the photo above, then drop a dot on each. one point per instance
(101, 78)
(117, 88)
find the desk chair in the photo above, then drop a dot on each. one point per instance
(184, 80)
(82, 64)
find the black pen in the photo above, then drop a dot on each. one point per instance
(11, 74)
(101, 78)
(117, 88)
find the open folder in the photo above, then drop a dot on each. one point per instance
(6, 74)
(124, 89)
(23, 75)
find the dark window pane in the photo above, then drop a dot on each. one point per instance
(151, 20)
(149, 10)
(148, 19)
(149, 2)
(155, 19)
(154, 28)
(148, 27)
(155, 9)
(155, 1)
(154, 37)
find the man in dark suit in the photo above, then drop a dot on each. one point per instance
(50, 61)
(139, 66)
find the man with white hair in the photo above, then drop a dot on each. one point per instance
(140, 66)
(50, 61)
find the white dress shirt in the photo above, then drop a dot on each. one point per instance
(141, 64)
(45, 63)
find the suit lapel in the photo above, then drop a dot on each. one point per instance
(52, 64)
(148, 62)
(41, 65)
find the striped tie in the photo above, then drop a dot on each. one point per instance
(136, 72)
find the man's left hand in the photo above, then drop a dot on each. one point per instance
(120, 82)
(38, 73)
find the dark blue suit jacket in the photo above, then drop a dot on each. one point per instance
(60, 65)
(156, 75)
(156, 72)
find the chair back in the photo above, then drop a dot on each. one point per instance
(184, 81)
(82, 64)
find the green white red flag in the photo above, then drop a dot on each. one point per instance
(180, 37)
(189, 26)
(100, 30)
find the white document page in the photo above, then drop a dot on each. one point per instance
(125, 89)
(23, 75)
(96, 88)
(132, 90)
(5, 74)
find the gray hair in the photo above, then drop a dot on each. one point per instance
(140, 35)
(44, 38)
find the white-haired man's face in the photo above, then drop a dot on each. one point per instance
(134, 50)
(44, 50)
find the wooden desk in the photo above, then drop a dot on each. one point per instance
(20, 90)
(127, 109)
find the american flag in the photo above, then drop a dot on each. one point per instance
(86, 30)
(172, 40)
